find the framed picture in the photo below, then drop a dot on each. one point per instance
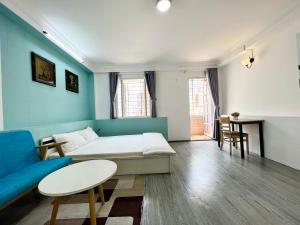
(43, 70)
(72, 83)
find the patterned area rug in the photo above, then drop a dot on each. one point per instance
(123, 206)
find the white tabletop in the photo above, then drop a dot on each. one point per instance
(77, 178)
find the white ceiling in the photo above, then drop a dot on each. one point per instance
(109, 32)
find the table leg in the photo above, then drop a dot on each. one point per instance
(261, 140)
(54, 210)
(241, 141)
(101, 193)
(92, 207)
(232, 128)
(218, 135)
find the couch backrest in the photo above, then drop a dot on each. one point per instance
(17, 150)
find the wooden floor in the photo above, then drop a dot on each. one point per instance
(200, 138)
(210, 187)
(206, 187)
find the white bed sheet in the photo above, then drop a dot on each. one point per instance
(123, 145)
(155, 143)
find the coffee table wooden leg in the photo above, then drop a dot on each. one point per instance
(101, 193)
(54, 210)
(92, 207)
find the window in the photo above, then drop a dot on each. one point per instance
(132, 98)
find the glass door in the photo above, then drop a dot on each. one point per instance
(200, 109)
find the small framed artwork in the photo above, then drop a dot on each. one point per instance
(43, 70)
(72, 83)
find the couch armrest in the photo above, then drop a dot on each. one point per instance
(44, 148)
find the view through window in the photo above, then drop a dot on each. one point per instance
(132, 98)
(200, 109)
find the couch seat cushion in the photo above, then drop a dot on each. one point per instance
(20, 181)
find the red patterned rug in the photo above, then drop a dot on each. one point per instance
(123, 206)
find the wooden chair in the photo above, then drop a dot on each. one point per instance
(232, 137)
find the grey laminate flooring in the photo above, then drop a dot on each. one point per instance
(206, 187)
(209, 187)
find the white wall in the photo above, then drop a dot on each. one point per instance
(102, 100)
(172, 100)
(298, 44)
(1, 105)
(270, 89)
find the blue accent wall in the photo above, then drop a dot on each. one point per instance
(40, 132)
(107, 127)
(132, 126)
(27, 103)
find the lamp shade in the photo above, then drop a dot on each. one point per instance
(245, 62)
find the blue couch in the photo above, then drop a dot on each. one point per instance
(21, 168)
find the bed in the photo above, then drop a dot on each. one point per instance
(146, 153)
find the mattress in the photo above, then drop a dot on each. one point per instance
(146, 144)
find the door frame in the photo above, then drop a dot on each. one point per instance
(209, 134)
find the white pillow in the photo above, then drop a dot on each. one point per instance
(73, 139)
(88, 134)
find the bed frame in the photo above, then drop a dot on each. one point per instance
(127, 165)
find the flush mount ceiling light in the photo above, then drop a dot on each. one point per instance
(250, 60)
(163, 5)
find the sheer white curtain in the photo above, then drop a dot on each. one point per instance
(210, 112)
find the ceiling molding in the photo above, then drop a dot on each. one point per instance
(167, 67)
(268, 31)
(42, 25)
(104, 68)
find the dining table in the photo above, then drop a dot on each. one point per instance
(240, 123)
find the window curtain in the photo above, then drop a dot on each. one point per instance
(213, 81)
(150, 81)
(113, 83)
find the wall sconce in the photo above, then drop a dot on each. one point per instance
(249, 61)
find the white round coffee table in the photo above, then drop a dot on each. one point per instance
(76, 178)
